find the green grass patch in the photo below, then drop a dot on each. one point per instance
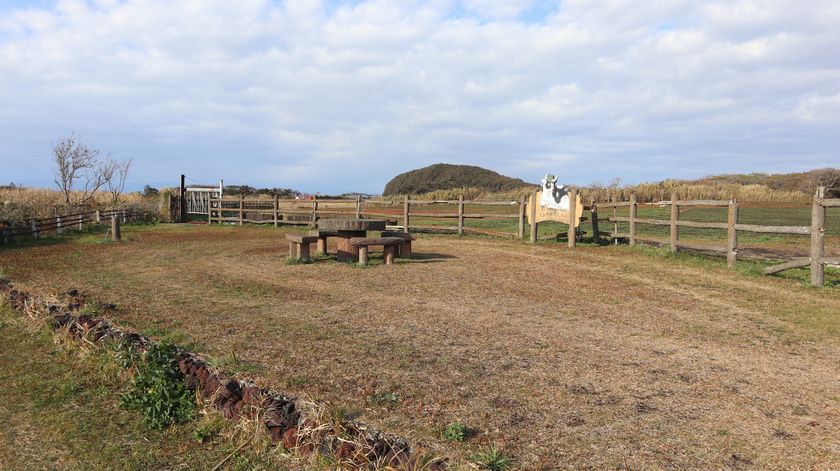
(493, 459)
(455, 432)
(232, 364)
(60, 409)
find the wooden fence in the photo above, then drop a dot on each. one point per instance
(450, 216)
(442, 216)
(816, 261)
(57, 224)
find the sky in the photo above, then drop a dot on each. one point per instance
(340, 96)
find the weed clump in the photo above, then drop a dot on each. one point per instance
(125, 354)
(455, 432)
(158, 390)
(493, 459)
(384, 398)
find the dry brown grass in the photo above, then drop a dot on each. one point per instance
(607, 357)
(661, 191)
(24, 203)
(644, 192)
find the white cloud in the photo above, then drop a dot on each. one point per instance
(341, 96)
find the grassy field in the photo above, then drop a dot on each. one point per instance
(598, 357)
(59, 407)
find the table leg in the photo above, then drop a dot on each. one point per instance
(347, 252)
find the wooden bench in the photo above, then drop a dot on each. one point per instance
(389, 244)
(299, 245)
(405, 247)
(322, 239)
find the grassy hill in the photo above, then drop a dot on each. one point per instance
(447, 176)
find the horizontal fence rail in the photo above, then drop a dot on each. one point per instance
(427, 215)
(816, 261)
(411, 215)
(37, 227)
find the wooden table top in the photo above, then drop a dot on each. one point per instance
(351, 224)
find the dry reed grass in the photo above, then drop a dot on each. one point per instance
(21, 203)
(645, 192)
(661, 191)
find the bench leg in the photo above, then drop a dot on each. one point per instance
(363, 255)
(322, 245)
(292, 250)
(389, 254)
(304, 251)
(405, 249)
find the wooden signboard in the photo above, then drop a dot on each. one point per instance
(545, 213)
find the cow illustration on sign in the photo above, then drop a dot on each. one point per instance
(553, 196)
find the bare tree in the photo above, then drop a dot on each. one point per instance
(827, 177)
(114, 172)
(76, 161)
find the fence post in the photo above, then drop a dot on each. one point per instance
(241, 208)
(615, 223)
(532, 209)
(182, 200)
(58, 227)
(115, 229)
(34, 225)
(314, 211)
(460, 215)
(633, 210)
(675, 229)
(81, 218)
(732, 234)
(98, 216)
(572, 218)
(818, 238)
(593, 213)
(276, 209)
(521, 217)
(358, 206)
(406, 215)
(210, 210)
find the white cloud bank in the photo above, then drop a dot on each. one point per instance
(341, 96)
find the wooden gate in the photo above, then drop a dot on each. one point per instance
(198, 198)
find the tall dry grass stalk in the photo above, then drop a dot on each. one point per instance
(21, 204)
(661, 191)
(645, 193)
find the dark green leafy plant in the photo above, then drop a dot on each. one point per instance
(455, 432)
(158, 390)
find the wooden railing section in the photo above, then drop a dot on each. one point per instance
(399, 213)
(816, 261)
(57, 224)
(410, 214)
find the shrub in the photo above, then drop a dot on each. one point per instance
(158, 390)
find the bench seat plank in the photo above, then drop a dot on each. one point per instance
(367, 241)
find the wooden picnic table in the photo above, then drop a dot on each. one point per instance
(347, 229)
